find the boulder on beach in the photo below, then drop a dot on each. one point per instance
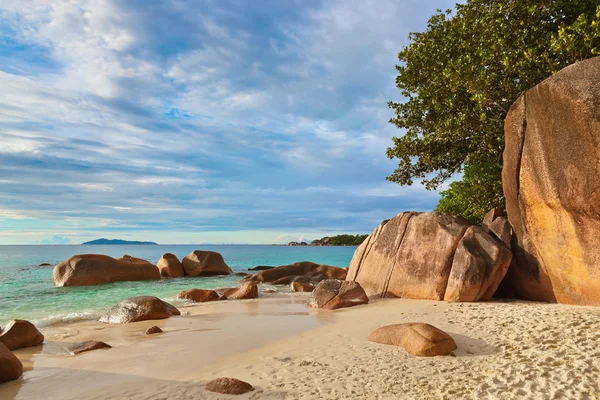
(88, 345)
(20, 333)
(170, 266)
(247, 290)
(140, 308)
(287, 274)
(202, 262)
(551, 182)
(154, 330)
(332, 294)
(301, 287)
(94, 269)
(418, 339)
(416, 255)
(11, 367)
(229, 386)
(199, 295)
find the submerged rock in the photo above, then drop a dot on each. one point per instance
(260, 268)
(301, 287)
(20, 333)
(229, 386)
(199, 295)
(201, 262)
(170, 266)
(10, 366)
(89, 345)
(418, 339)
(310, 271)
(140, 308)
(332, 294)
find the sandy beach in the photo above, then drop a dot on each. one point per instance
(506, 350)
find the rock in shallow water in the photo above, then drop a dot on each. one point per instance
(20, 333)
(10, 366)
(205, 263)
(170, 266)
(418, 339)
(301, 287)
(229, 386)
(306, 270)
(89, 345)
(332, 294)
(140, 308)
(247, 290)
(199, 295)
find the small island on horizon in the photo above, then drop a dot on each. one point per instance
(118, 241)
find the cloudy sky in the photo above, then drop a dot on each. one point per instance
(188, 121)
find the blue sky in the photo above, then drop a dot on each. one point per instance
(200, 121)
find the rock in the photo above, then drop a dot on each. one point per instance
(10, 366)
(301, 287)
(297, 244)
(502, 230)
(260, 268)
(551, 183)
(140, 308)
(307, 269)
(201, 263)
(20, 333)
(242, 274)
(491, 217)
(413, 255)
(269, 291)
(247, 290)
(94, 269)
(199, 295)
(87, 346)
(287, 280)
(154, 330)
(417, 339)
(229, 386)
(169, 266)
(45, 265)
(332, 294)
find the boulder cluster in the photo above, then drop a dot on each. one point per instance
(17, 334)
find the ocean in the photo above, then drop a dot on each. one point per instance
(27, 290)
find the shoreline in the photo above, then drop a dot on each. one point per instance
(506, 349)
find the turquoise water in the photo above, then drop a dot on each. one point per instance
(27, 290)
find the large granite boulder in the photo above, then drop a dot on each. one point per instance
(170, 266)
(551, 179)
(140, 308)
(418, 339)
(430, 256)
(20, 333)
(10, 366)
(202, 262)
(94, 269)
(332, 294)
(310, 271)
(199, 295)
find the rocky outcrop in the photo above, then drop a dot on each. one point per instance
(301, 287)
(199, 295)
(287, 274)
(247, 290)
(89, 345)
(229, 386)
(551, 180)
(140, 308)
(204, 263)
(430, 256)
(10, 366)
(321, 242)
(417, 339)
(297, 244)
(260, 268)
(19, 334)
(94, 269)
(154, 330)
(170, 266)
(332, 294)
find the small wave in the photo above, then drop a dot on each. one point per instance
(65, 318)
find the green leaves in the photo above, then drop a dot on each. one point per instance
(459, 79)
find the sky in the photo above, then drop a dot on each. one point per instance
(184, 121)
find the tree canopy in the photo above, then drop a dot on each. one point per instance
(459, 79)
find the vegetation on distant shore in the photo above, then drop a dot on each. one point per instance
(340, 240)
(460, 78)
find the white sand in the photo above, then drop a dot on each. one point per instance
(506, 350)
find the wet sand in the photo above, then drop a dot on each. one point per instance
(506, 350)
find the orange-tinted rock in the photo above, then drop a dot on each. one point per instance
(417, 339)
(20, 333)
(269, 291)
(201, 262)
(199, 295)
(502, 230)
(154, 330)
(413, 255)
(229, 386)
(89, 345)
(301, 287)
(332, 294)
(491, 217)
(140, 308)
(551, 181)
(287, 274)
(169, 266)
(94, 269)
(10, 366)
(247, 290)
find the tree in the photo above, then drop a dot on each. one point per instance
(459, 79)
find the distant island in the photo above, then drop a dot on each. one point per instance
(117, 241)
(339, 240)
